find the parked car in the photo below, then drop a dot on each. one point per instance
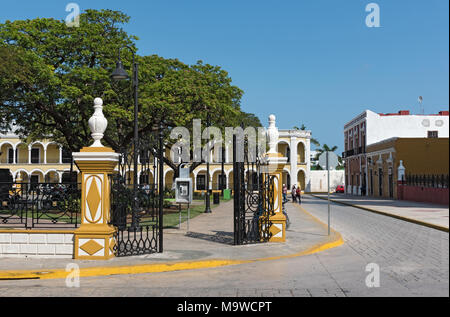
(340, 189)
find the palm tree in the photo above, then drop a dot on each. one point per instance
(326, 148)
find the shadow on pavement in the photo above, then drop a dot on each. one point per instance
(219, 237)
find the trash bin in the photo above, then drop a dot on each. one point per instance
(216, 199)
(226, 194)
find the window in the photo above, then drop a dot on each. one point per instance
(201, 182)
(35, 156)
(432, 134)
(144, 178)
(222, 181)
(10, 156)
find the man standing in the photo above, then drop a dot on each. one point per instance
(294, 194)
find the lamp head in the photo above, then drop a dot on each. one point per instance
(119, 73)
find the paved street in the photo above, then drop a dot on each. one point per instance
(413, 259)
(431, 214)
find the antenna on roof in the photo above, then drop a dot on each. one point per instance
(421, 105)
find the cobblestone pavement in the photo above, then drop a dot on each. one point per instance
(413, 261)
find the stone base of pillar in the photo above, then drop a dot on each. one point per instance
(278, 228)
(276, 163)
(94, 242)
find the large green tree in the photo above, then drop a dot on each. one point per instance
(50, 74)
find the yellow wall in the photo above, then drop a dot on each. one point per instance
(424, 156)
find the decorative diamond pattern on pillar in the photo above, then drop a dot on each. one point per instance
(93, 199)
(91, 247)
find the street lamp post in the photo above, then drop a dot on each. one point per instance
(207, 196)
(120, 74)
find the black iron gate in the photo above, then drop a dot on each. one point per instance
(253, 197)
(136, 202)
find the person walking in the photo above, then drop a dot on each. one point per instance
(284, 193)
(299, 194)
(294, 194)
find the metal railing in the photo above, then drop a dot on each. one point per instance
(40, 205)
(430, 181)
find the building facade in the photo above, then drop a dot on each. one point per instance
(46, 161)
(417, 157)
(370, 128)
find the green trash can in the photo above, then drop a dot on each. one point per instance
(226, 194)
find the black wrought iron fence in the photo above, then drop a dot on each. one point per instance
(40, 205)
(430, 181)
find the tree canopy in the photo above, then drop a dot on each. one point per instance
(50, 74)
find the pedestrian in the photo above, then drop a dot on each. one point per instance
(294, 194)
(299, 194)
(284, 193)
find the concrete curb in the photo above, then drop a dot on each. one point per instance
(334, 240)
(417, 222)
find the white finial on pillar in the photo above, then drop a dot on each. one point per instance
(401, 171)
(272, 135)
(98, 123)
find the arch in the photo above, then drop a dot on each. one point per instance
(22, 152)
(50, 143)
(20, 170)
(301, 152)
(301, 178)
(52, 150)
(41, 177)
(4, 152)
(284, 148)
(36, 142)
(145, 176)
(168, 178)
(52, 179)
(286, 178)
(216, 176)
(197, 171)
(8, 142)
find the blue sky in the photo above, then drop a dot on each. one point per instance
(307, 61)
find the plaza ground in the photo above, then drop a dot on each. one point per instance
(413, 261)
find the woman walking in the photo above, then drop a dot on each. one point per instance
(299, 194)
(294, 194)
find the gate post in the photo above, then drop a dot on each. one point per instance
(94, 240)
(276, 163)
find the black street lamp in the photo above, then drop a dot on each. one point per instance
(207, 196)
(120, 74)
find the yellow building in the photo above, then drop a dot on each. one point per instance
(46, 161)
(419, 156)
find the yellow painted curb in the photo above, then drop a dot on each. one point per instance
(334, 240)
(417, 222)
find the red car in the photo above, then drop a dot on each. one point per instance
(340, 189)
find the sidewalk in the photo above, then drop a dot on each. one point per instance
(435, 216)
(209, 243)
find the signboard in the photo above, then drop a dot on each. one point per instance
(183, 190)
(333, 160)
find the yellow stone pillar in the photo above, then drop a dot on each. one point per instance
(276, 163)
(94, 240)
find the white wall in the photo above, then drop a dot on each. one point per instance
(379, 128)
(319, 180)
